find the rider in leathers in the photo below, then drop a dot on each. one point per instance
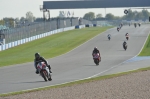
(38, 59)
(127, 34)
(109, 35)
(96, 51)
(124, 43)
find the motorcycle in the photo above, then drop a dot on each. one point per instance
(135, 25)
(127, 37)
(125, 46)
(118, 29)
(96, 58)
(109, 38)
(44, 71)
(139, 24)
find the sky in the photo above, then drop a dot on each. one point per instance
(19, 8)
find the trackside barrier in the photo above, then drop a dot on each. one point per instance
(79, 26)
(25, 40)
(89, 25)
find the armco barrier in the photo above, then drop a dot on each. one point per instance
(22, 41)
(94, 25)
(89, 25)
(79, 26)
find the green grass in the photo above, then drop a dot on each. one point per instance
(77, 82)
(146, 50)
(48, 47)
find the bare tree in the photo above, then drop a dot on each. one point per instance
(30, 17)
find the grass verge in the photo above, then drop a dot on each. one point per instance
(146, 50)
(77, 82)
(49, 46)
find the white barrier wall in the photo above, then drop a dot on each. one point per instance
(22, 41)
(82, 26)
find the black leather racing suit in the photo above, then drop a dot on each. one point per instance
(124, 43)
(96, 51)
(41, 59)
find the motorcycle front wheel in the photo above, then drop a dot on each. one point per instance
(43, 75)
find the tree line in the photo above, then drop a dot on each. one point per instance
(132, 15)
(12, 22)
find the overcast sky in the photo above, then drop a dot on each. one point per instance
(18, 8)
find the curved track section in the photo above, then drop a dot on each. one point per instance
(78, 63)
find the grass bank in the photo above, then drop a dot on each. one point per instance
(146, 50)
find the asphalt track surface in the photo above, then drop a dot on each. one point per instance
(78, 63)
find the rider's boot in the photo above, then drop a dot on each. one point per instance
(49, 68)
(37, 72)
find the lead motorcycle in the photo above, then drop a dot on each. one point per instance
(96, 58)
(44, 71)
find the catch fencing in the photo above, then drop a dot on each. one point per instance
(26, 31)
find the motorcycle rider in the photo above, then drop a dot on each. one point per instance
(127, 34)
(95, 51)
(124, 43)
(109, 36)
(38, 59)
(118, 28)
(139, 24)
(135, 25)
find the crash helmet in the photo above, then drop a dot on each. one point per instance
(95, 48)
(37, 55)
(126, 34)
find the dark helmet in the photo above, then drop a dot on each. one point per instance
(37, 55)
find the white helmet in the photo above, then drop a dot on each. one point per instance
(95, 47)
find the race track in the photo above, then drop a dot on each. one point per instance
(78, 63)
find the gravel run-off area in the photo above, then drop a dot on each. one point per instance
(130, 86)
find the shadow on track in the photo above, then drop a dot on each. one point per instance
(29, 82)
(89, 65)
